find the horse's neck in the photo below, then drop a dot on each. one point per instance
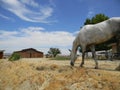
(73, 54)
(74, 48)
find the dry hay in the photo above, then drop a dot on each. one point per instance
(57, 75)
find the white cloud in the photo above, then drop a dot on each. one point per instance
(36, 37)
(6, 17)
(3, 16)
(30, 2)
(7, 34)
(90, 12)
(22, 9)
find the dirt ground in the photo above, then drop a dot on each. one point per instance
(45, 74)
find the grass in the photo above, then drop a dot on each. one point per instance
(61, 58)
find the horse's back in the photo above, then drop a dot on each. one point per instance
(96, 33)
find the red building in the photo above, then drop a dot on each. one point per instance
(1, 54)
(30, 53)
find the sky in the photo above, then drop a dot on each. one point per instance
(44, 24)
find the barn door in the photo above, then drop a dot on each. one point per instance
(30, 54)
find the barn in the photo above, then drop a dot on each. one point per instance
(1, 54)
(30, 53)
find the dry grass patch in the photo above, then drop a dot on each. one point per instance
(58, 75)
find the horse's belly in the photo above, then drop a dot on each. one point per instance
(102, 38)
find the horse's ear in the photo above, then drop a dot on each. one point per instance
(69, 50)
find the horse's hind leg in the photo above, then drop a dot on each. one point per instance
(96, 62)
(94, 56)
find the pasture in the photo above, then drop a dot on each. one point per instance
(47, 74)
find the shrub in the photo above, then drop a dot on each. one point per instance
(14, 57)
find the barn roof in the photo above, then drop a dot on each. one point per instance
(28, 49)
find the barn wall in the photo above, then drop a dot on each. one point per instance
(1, 55)
(30, 54)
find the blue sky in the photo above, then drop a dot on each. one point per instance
(42, 24)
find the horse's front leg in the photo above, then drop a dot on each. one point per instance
(94, 56)
(83, 56)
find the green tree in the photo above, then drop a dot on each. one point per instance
(97, 19)
(54, 51)
(88, 21)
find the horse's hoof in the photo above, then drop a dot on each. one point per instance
(71, 63)
(81, 65)
(96, 67)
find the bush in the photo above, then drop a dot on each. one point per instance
(14, 57)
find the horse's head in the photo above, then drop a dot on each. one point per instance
(73, 60)
(71, 63)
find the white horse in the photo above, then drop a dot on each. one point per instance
(90, 35)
